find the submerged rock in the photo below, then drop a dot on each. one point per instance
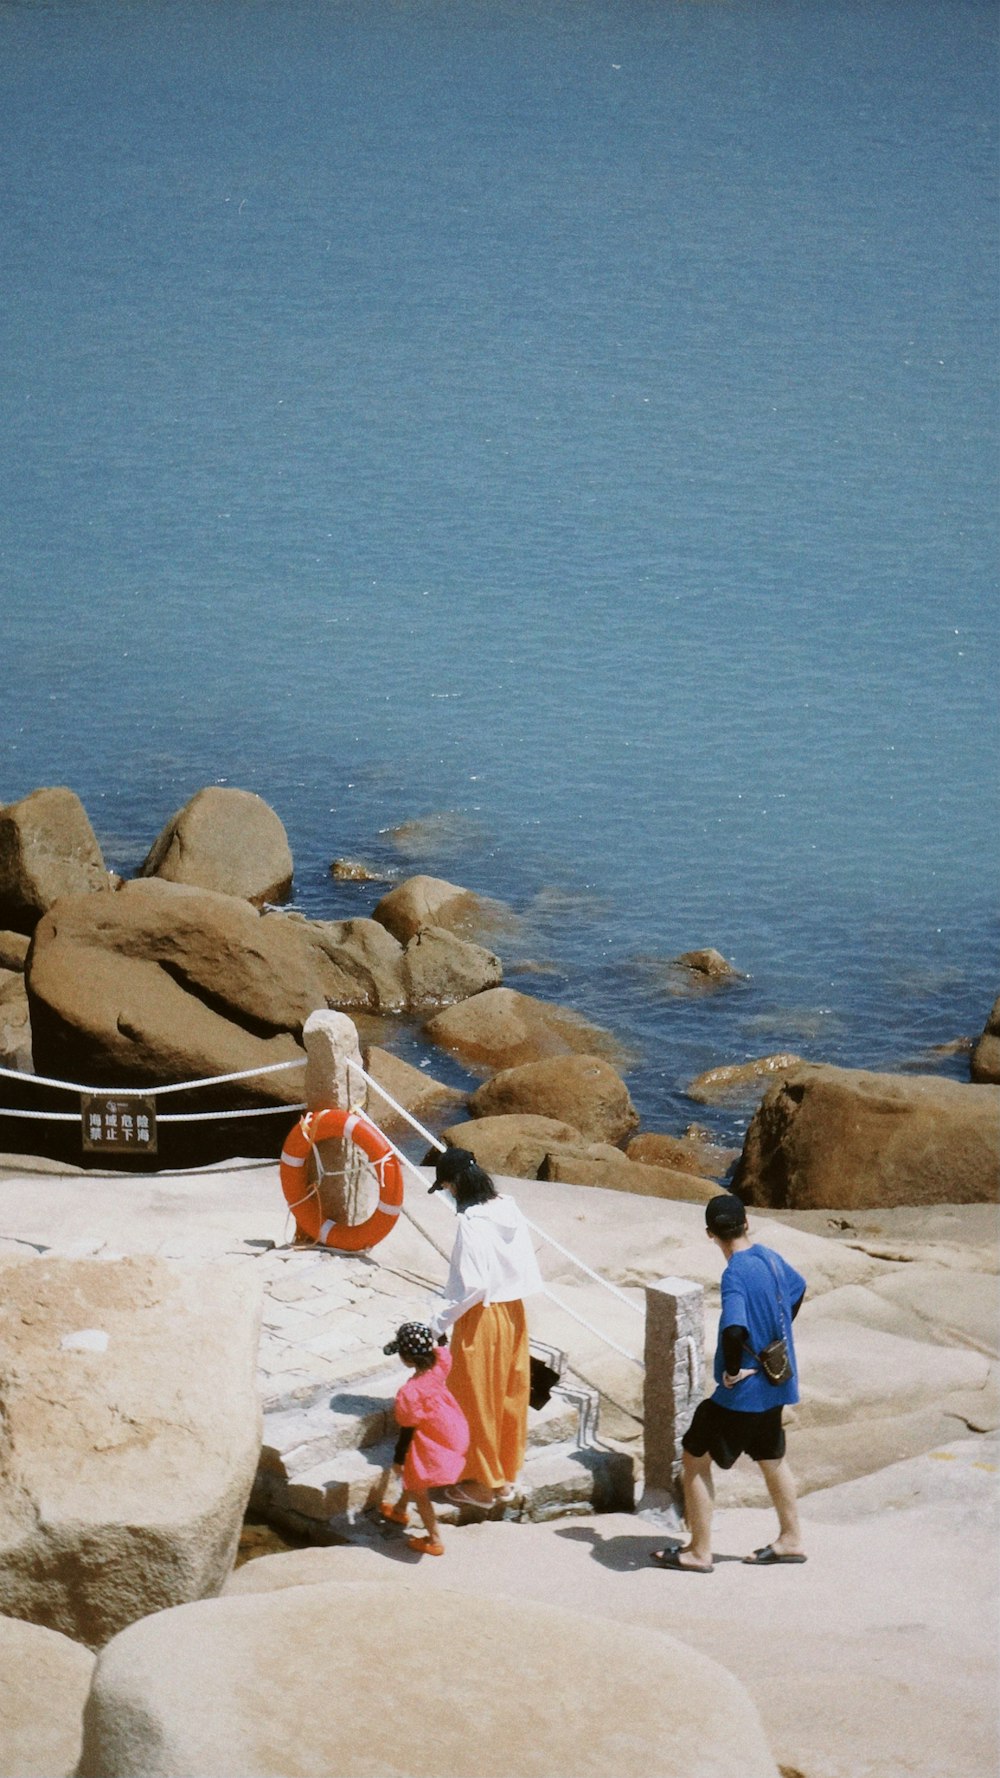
(711, 964)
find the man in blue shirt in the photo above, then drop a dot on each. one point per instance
(761, 1295)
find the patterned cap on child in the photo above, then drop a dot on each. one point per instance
(413, 1340)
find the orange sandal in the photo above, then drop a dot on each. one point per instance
(395, 1515)
(426, 1546)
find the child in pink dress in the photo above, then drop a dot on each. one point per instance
(434, 1454)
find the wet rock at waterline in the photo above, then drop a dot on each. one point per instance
(584, 1091)
(502, 1028)
(739, 1080)
(227, 840)
(441, 968)
(47, 849)
(842, 1138)
(132, 1435)
(985, 1063)
(433, 901)
(710, 964)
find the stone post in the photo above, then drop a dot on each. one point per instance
(675, 1380)
(347, 1187)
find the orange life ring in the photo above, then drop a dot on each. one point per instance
(314, 1127)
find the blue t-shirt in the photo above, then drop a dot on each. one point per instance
(759, 1291)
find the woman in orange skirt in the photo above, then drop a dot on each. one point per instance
(493, 1268)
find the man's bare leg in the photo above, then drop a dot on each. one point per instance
(781, 1487)
(699, 1500)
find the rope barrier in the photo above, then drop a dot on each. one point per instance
(166, 1117)
(182, 1086)
(552, 1242)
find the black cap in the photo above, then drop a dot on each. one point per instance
(725, 1216)
(449, 1165)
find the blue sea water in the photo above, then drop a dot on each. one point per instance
(569, 427)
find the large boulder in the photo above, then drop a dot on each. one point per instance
(44, 1681)
(131, 1436)
(227, 840)
(599, 1164)
(584, 1091)
(429, 901)
(841, 1138)
(515, 1146)
(985, 1062)
(159, 983)
(477, 1688)
(502, 1028)
(47, 849)
(442, 968)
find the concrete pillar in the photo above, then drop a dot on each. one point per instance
(675, 1382)
(348, 1187)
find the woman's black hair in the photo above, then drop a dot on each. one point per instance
(472, 1185)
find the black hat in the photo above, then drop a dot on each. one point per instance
(413, 1340)
(448, 1166)
(725, 1216)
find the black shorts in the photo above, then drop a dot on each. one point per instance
(725, 1434)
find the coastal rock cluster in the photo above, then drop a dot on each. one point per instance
(190, 971)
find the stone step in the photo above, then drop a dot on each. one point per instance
(300, 1435)
(328, 1502)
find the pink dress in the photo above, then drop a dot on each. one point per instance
(441, 1432)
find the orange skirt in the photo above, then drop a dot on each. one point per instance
(491, 1380)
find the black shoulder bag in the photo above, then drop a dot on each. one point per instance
(773, 1358)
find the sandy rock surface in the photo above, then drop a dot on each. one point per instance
(131, 1434)
(471, 1682)
(44, 1681)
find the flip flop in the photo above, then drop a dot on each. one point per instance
(768, 1557)
(425, 1546)
(461, 1498)
(671, 1559)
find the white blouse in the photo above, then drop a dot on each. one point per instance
(492, 1261)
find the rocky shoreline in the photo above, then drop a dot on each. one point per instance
(193, 970)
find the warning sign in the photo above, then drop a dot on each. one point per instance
(112, 1126)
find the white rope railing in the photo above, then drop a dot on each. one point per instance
(179, 1086)
(355, 1068)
